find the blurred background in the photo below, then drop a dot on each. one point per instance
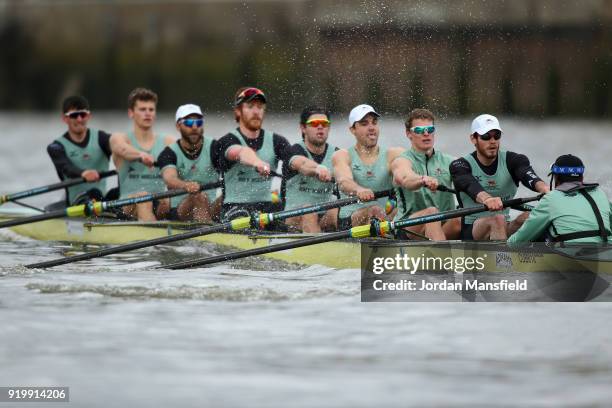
(458, 57)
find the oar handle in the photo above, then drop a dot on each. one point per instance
(51, 187)
(445, 189)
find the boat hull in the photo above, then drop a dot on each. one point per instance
(496, 257)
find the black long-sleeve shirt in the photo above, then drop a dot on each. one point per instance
(518, 165)
(63, 165)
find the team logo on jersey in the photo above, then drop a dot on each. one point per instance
(491, 183)
(369, 174)
(86, 156)
(438, 171)
(356, 167)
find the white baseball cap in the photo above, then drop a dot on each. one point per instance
(483, 123)
(359, 112)
(186, 110)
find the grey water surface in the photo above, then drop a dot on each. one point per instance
(120, 333)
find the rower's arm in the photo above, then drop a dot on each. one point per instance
(464, 180)
(404, 176)
(521, 170)
(246, 156)
(341, 161)
(309, 168)
(63, 165)
(535, 225)
(167, 162)
(122, 148)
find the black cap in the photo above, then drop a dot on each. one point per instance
(568, 165)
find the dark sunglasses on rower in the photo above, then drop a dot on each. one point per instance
(77, 114)
(419, 130)
(495, 134)
(191, 122)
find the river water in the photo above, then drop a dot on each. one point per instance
(252, 333)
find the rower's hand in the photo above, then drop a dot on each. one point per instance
(430, 183)
(263, 168)
(493, 203)
(192, 187)
(365, 194)
(146, 159)
(323, 173)
(90, 175)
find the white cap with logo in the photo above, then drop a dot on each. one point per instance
(483, 123)
(186, 110)
(359, 112)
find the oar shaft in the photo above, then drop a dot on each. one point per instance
(129, 247)
(334, 236)
(96, 208)
(361, 231)
(235, 225)
(36, 218)
(107, 205)
(51, 187)
(460, 212)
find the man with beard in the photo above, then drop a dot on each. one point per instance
(417, 173)
(189, 163)
(363, 169)
(134, 154)
(81, 152)
(488, 176)
(247, 155)
(307, 174)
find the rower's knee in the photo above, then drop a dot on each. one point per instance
(499, 221)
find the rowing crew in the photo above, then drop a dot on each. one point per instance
(245, 159)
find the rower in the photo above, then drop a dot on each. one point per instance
(417, 173)
(247, 155)
(574, 211)
(81, 152)
(307, 175)
(488, 176)
(363, 169)
(190, 163)
(134, 154)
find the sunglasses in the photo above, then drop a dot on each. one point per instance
(249, 94)
(318, 122)
(495, 134)
(77, 114)
(419, 130)
(191, 122)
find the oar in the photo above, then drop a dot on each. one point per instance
(442, 187)
(362, 231)
(50, 187)
(96, 208)
(254, 221)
